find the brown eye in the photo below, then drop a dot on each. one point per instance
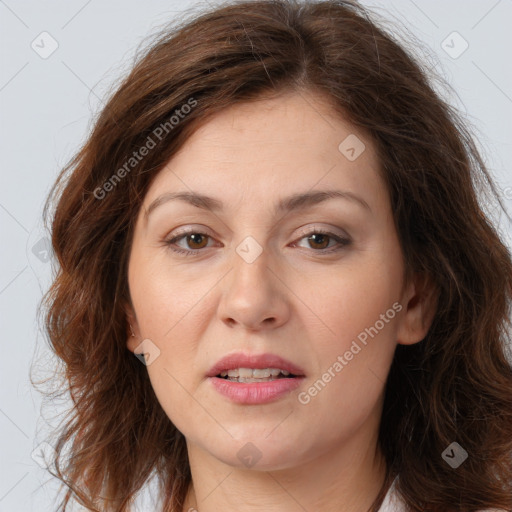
(193, 242)
(319, 240)
(197, 240)
(189, 243)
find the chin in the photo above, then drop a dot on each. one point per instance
(259, 452)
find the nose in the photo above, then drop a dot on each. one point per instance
(254, 296)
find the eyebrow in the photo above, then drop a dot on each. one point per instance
(292, 203)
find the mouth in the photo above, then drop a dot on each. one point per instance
(255, 379)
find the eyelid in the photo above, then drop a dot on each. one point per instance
(328, 231)
(191, 228)
(197, 229)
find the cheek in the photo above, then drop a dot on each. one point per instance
(170, 308)
(353, 355)
(170, 384)
(175, 323)
(166, 297)
(353, 299)
(358, 311)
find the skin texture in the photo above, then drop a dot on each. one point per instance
(295, 300)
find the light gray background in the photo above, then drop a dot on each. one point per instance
(46, 107)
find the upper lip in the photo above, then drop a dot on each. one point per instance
(255, 361)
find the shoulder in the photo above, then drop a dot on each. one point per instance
(394, 503)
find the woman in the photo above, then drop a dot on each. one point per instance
(279, 217)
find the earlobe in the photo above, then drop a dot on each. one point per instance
(420, 306)
(132, 330)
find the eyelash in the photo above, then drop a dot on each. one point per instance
(343, 242)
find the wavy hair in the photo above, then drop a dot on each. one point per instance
(455, 385)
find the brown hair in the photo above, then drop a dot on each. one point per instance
(455, 385)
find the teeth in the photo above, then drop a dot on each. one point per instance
(258, 374)
(241, 379)
(245, 373)
(250, 373)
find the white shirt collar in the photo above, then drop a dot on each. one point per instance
(392, 503)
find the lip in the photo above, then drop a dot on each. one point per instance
(254, 393)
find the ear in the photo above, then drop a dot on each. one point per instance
(420, 305)
(132, 329)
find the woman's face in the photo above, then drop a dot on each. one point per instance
(270, 267)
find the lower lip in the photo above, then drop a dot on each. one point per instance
(252, 393)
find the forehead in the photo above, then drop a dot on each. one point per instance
(270, 148)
